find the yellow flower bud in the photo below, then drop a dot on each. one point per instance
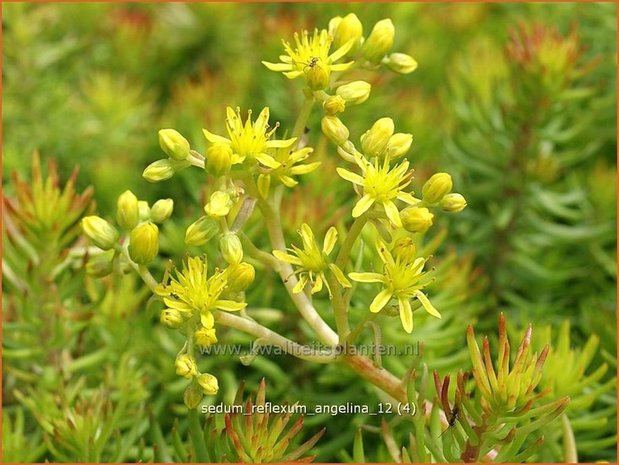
(127, 211)
(205, 337)
(219, 204)
(100, 264)
(171, 317)
(453, 203)
(348, 28)
(159, 170)
(334, 24)
(380, 41)
(375, 140)
(173, 144)
(399, 144)
(208, 383)
(161, 211)
(240, 276)
(264, 185)
(334, 129)
(437, 187)
(317, 75)
(231, 248)
(201, 231)
(405, 249)
(354, 92)
(401, 63)
(100, 232)
(144, 243)
(186, 366)
(334, 104)
(192, 396)
(416, 219)
(144, 210)
(219, 159)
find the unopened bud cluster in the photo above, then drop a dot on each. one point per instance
(137, 222)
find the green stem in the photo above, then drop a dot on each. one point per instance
(142, 270)
(569, 442)
(148, 278)
(254, 252)
(340, 308)
(299, 125)
(290, 347)
(353, 233)
(354, 334)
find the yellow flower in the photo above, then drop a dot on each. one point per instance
(310, 58)
(195, 293)
(250, 140)
(312, 262)
(402, 280)
(290, 163)
(205, 336)
(381, 185)
(186, 366)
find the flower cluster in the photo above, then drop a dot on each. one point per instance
(381, 178)
(252, 165)
(139, 243)
(190, 299)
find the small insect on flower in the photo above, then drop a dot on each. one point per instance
(313, 61)
(453, 418)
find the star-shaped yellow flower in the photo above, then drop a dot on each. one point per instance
(312, 262)
(291, 165)
(382, 185)
(402, 280)
(311, 58)
(250, 140)
(193, 292)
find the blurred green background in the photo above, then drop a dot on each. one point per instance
(532, 149)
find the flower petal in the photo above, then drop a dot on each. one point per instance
(367, 277)
(304, 169)
(350, 176)
(207, 320)
(339, 275)
(284, 257)
(384, 253)
(300, 284)
(380, 300)
(177, 304)
(340, 52)
(214, 138)
(406, 315)
(392, 213)
(408, 198)
(287, 181)
(281, 144)
(341, 66)
(262, 120)
(279, 67)
(330, 240)
(267, 160)
(428, 307)
(362, 206)
(307, 235)
(293, 74)
(230, 305)
(317, 284)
